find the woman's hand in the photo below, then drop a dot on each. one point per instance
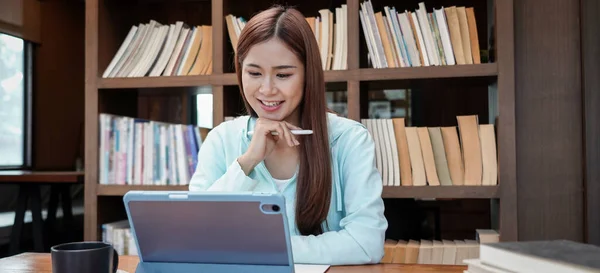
(263, 141)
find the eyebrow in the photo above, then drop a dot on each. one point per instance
(276, 67)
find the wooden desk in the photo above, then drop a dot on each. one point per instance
(29, 183)
(41, 263)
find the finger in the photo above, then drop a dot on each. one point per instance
(280, 132)
(288, 135)
(265, 129)
(293, 138)
(292, 126)
(269, 127)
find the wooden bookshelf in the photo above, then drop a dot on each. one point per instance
(442, 192)
(107, 24)
(120, 190)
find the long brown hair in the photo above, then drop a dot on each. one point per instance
(313, 190)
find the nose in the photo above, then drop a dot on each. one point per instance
(267, 87)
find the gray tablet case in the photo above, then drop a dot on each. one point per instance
(209, 232)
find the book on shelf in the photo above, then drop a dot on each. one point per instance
(235, 25)
(155, 49)
(137, 151)
(329, 27)
(448, 252)
(118, 234)
(435, 156)
(441, 36)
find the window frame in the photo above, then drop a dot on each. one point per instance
(28, 83)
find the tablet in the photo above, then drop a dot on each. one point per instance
(181, 231)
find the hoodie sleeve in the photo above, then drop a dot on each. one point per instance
(362, 235)
(214, 172)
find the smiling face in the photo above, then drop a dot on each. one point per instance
(273, 81)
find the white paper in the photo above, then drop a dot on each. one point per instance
(310, 268)
(298, 268)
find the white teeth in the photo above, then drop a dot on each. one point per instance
(273, 103)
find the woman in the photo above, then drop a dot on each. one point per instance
(329, 180)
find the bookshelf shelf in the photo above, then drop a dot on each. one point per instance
(485, 192)
(479, 192)
(339, 75)
(363, 74)
(165, 81)
(120, 190)
(429, 72)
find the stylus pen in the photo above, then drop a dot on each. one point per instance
(294, 132)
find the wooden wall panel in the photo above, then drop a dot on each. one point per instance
(549, 120)
(21, 18)
(440, 219)
(170, 108)
(591, 83)
(11, 12)
(58, 112)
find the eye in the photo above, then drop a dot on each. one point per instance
(254, 74)
(283, 76)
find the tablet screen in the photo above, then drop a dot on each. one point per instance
(219, 232)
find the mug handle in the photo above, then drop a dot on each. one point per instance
(115, 261)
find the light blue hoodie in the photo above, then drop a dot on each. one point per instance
(356, 221)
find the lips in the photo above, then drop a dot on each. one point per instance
(270, 105)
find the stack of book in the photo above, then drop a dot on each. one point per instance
(155, 49)
(331, 35)
(429, 251)
(435, 156)
(554, 256)
(453, 252)
(443, 36)
(118, 234)
(136, 151)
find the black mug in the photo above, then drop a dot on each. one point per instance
(89, 257)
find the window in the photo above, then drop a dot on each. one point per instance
(14, 102)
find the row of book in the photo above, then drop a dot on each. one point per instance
(331, 35)
(443, 36)
(118, 234)
(136, 151)
(450, 252)
(144, 152)
(453, 252)
(435, 156)
(154, 49)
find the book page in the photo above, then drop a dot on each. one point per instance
(310, 268)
